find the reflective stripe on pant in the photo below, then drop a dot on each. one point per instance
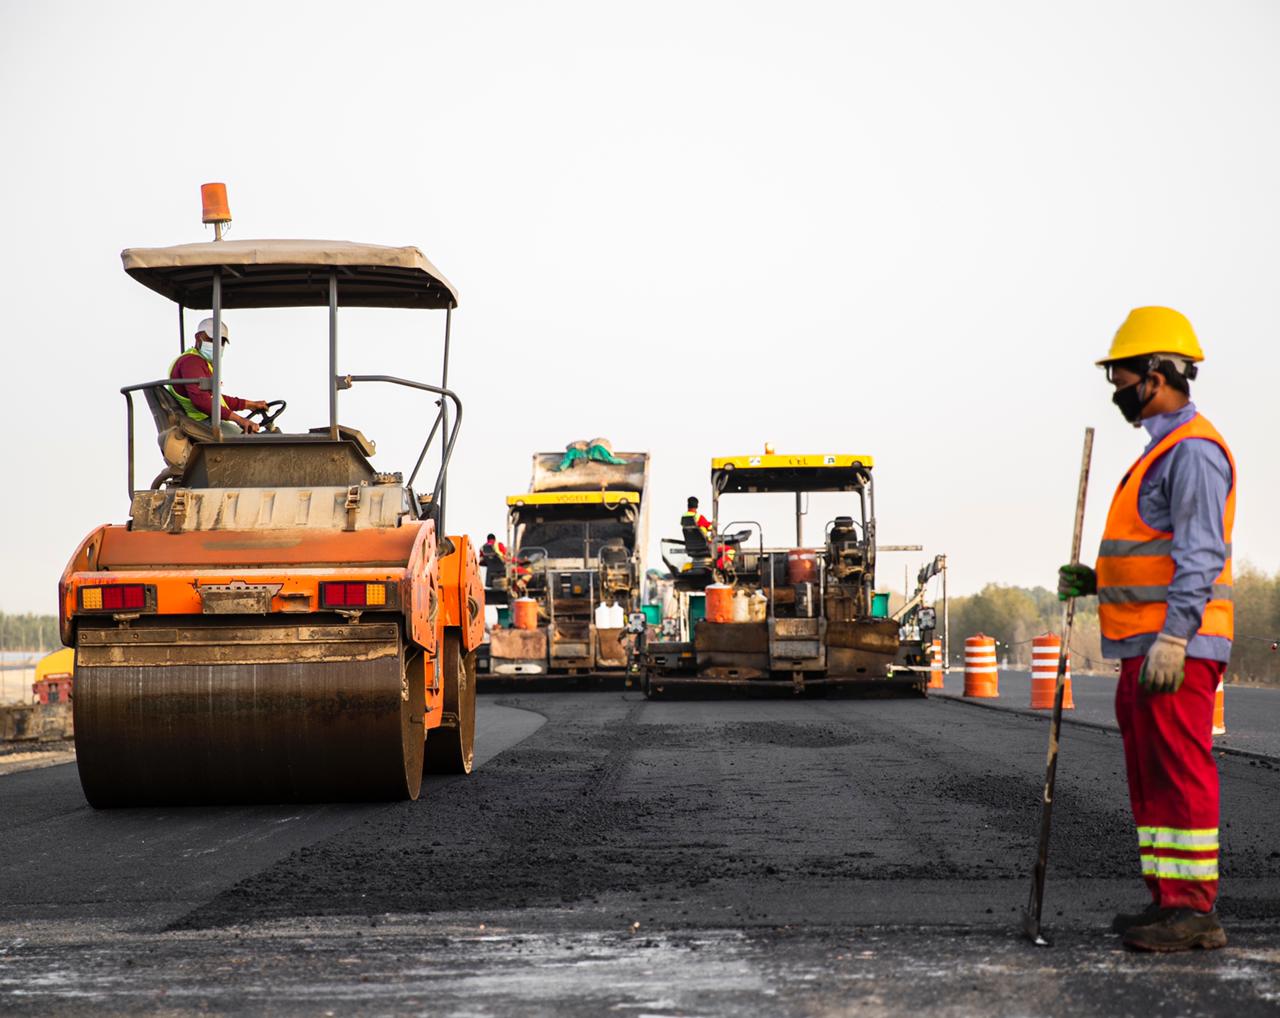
(1173, 782)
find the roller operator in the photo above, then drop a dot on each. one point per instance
(197, 363)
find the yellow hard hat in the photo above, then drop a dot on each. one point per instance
(1154, 330)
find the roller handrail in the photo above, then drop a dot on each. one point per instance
(127, 392)
(346, 381)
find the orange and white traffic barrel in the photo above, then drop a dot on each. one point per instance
(1219, 710)
(981, 676)
(935, 665)
(1044, 673)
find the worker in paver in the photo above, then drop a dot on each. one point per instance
(196, 363)
(493, 556)
(725, 553)
(693, 518)
(1163, 581)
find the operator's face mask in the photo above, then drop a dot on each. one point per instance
(1132, 401)
(206, 349)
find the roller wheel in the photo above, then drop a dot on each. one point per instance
(187, 727)
(451, 747)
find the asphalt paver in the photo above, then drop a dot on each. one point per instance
(733, 856)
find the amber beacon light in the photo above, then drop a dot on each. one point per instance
(213, 198)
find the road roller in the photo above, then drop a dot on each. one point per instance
(279, 620)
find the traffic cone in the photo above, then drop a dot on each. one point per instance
(1044, 673)
(1219, 710)
(981, 675)
(935, 665)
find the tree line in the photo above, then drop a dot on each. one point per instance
(29, 632)
(1015, 615)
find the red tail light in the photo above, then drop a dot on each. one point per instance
(117, 597)
(356, 595)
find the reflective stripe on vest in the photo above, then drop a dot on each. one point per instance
(188, 407)
(1135, 561)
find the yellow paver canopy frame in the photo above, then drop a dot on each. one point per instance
(772, 472)
(608, 499)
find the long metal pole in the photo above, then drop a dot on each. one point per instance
(182, 330)
(1031, 917)
(799, 524)
(333, 356)
(946, 621)
(444, 415)
(216, 340)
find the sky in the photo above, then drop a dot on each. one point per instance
(905, 230)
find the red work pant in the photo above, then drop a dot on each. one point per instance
(1173, 782)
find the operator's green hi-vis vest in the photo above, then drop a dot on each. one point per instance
(188, 407)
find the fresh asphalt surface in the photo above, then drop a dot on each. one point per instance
(1252, 714)
(785, 856)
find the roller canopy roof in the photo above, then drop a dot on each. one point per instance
(291, 273)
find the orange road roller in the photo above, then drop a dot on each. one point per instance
(278, 621)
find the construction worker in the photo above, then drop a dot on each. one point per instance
(493, 556)
(196, 363)
(1163, 581)
(725, 553)
(693, 518)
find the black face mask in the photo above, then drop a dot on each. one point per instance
(1131, 402)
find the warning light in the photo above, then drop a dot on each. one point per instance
(214, 208)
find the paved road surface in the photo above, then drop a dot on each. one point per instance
(787, 856)
(1252, 714)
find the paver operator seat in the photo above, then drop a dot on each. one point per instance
(699, 571)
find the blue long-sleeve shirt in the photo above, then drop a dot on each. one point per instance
(1185, 492)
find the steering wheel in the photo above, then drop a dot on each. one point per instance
(268, 415)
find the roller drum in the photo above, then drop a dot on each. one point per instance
(173, 716)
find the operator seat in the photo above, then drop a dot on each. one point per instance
(695, 544)
(175, 432)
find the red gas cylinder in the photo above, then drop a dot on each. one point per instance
(719, 603)
(802, 566)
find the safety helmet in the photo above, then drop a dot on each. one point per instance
(206, 327)
(1154, 330)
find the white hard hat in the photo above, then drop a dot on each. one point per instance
(207, 328)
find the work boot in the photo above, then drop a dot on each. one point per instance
(1177, 929)
(1126, 919)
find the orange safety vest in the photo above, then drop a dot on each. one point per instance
(1135, 561)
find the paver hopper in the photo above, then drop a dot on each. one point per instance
(278, 620)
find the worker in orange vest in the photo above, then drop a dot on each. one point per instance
(1163, 581)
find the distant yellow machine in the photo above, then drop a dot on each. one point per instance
(55, 675)
(792, 617)
(576, 543)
